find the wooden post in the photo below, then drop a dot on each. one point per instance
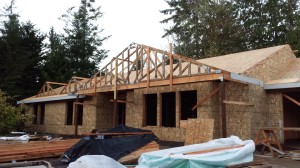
(75, 112)
(177, 108)
(115, 122)
(171, 68)
(223, 108)
(148, 69)
(159, 110)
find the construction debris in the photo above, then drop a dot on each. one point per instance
(34, 149)
(293, 155)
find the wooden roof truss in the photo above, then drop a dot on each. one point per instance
(139, 63)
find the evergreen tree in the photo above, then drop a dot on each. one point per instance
(32, 40)
(56, 64)
(20, 56)
(82, 40)
(204, 28)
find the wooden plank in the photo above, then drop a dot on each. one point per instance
(291, 99)
(238, 103)
(213, 150)
(201, 101)
(179, 80)
(118, 133)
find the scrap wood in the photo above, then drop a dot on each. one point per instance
(133, 156)
(117, 133)
(34, 150)
(213, 150)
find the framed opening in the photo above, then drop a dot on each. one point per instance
(79, 113)
(42, 119)
(69, 113)
(121, 113)
(168, 109)
(291, 115)
(151, 109)
(188, 100)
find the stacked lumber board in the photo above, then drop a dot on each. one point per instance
(34, 149)
(132, 157)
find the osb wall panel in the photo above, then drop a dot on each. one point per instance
(269, 68)
(55, 116)
(209, 110)
(198, 131)
(238, 117)
(104, 116)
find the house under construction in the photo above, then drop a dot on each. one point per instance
(148, 88)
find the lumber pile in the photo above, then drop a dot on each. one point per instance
(133, 156)
(34, 149)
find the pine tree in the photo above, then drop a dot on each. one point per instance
(56, 65)
(82, 39)
(20, 56)
(204, 28)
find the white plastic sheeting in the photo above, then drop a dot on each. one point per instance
(95, 161)
(175, 157)
(20, 138)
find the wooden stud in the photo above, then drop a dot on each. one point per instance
(171, 68)
(148, 69)
(223, 109)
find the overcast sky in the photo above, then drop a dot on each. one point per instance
(126, 21)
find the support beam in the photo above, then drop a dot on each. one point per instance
(115, 122)
(201, 101)
(171, 67)
(148, 68)
(291, 99)
(75, 112)
(223, 109)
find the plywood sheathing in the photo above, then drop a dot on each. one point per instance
(198, 131)
(241, 62)
(104, 117)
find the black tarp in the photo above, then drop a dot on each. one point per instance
(115, 148)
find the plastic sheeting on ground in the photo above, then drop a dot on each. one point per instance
(95, 161)
(175, 157)
(20, 138)
(112, 147)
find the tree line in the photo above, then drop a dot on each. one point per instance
(29, 57)
(206, 28)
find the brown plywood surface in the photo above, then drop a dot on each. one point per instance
(242, 61)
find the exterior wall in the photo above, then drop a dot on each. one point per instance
(104, 117)
(55, 119)
(210, 109)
